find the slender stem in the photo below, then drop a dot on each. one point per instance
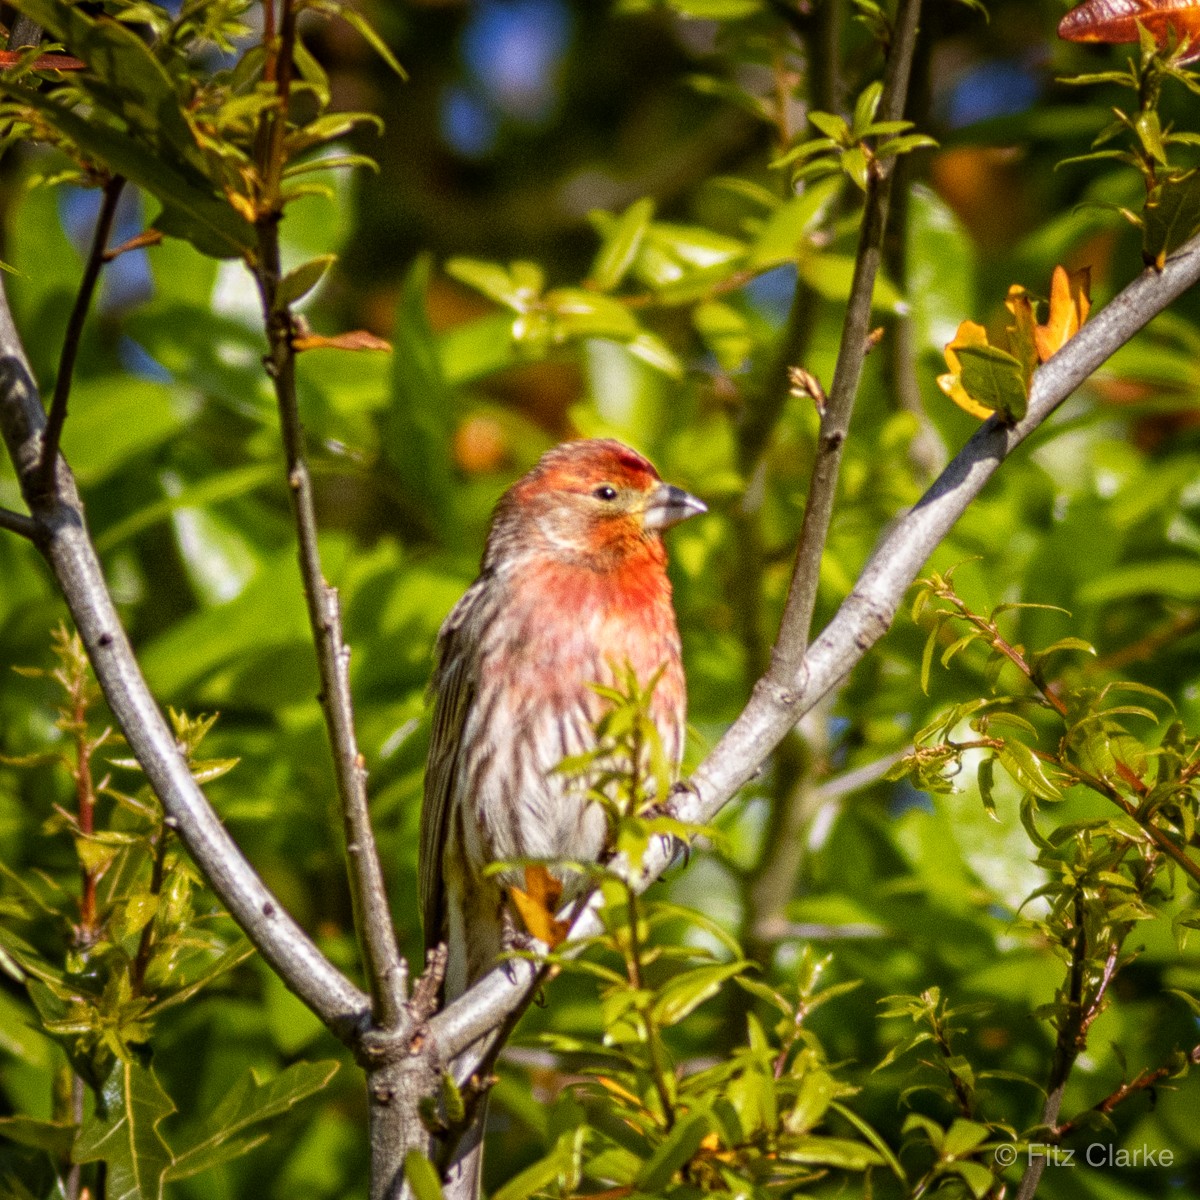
(273, 163)
(146, 943)
(1067, 1046)
(16, 522)
(835, 421)
(74, 333)
(1141, 1082)
(386, 974)
(85, 801)
(368, 891)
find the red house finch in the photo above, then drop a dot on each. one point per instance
(573, 586)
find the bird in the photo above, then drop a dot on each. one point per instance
(572, 591)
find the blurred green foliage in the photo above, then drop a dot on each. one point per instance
(618, 256)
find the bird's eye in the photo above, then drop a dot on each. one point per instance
(605, 491)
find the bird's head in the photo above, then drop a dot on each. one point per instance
(594, 501)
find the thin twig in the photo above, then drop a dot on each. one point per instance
(835, 422)
(1141, 1082)
(16, 522)
(74, 333)
(373, 918)
(139, 241)
(1067, 1047)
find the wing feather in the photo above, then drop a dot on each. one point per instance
(453, 685)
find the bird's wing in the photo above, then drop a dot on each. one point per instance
(454, 689)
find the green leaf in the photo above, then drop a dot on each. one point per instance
(986, 778)
(781, 237)
(887, 1156)
(995, 378)
(866, 107)
(688, 990)
(1025, 768)
(419, 426)
(493, 281)
(815, 1150)
(976, 1176)
(249, 1102)
(1149, 132)
(560, 1163)
(1171, 215)
(576, 312)
(831, 125)
(355, 19)
(477, 348)
(621, 245)
(299, 282)
(236, 954)
(126, 80)
(676, 1149)
(905, 145)
(55, 1137)
(222, 486)
(191, 207)
(422, 1176)
(962, 1137)
(114, 418)
(123, 1133)
(653, 351)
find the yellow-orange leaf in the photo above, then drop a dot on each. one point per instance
(969, 334)
(1069, 305)
(1022, 336)
(538, 903)
(357, 339)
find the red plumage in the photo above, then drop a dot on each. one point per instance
(573, 585)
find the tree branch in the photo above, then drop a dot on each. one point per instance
(74, 334)
(16, 522)
(63, 539)
(863, 617)
(835, 421)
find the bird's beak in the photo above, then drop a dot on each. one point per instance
(667, 505)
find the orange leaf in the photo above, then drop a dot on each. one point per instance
(538, 903)
(1069, 305)
(43, 62)
(357, 339)
(1117, 21)
(969, 334)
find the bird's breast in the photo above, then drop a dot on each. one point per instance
(535, 706)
